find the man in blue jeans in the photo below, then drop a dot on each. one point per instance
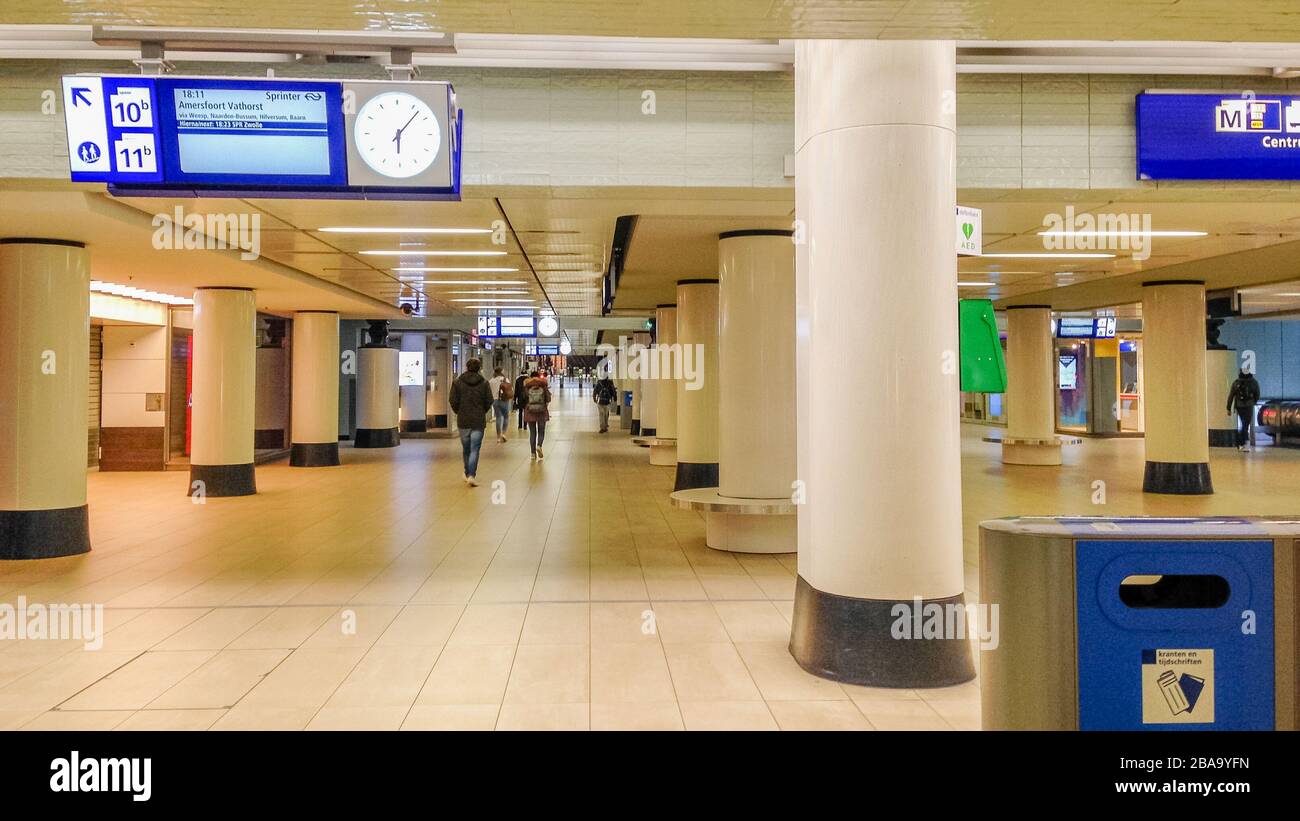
(471, 400)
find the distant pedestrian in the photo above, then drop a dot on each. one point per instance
(519, 396)
(1242, 397)
(471, 400)
(502, 392)
(537, 400)
(604, 393)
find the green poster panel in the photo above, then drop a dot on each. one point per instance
(983, 370)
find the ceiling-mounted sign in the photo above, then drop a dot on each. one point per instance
(970, 231)
(215, 137)
(1241, 136)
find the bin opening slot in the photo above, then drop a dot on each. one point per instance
(1172, 592)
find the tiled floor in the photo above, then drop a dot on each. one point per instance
(385, 594)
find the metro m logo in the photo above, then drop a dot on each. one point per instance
(1230, 115)
(1248, 115)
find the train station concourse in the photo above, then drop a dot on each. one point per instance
(540, 366)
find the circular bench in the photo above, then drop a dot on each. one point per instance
(742, 525)
(662, 451)
(1032, 451)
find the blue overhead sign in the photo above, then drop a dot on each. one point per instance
(252, 137)
(1218, 136)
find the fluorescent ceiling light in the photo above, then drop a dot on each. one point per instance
(974, 284)
(432, 253)
(420, 269)
(376, 230)
(490, 292)
(498, 307)
(474, 282)
(1122, 234)
(481, 299)
(1049, 256)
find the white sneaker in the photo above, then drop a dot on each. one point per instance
(473, 482)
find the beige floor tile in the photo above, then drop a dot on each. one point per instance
(221, 681)
(630, 672)
(689, 622)
(899, 714)
(386, 677)
(489, 624)
(171, 720)
(243, 717)
(304, 680)
(285, 627)
(134, 685)
(818, 715)
(60, 679)
(421, 624)
(544, 717)
(550, 674)
(727, 715)
(359, 626)
(78, 720)
(709, 672)
(358, 718)
(652, 716)
(557, 623)
(452, 717)
(214, 630)
(468, 674)
(780, 678)
(748, 621)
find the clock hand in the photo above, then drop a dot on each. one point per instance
(397, 138)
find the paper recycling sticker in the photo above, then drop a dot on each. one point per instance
(1177, 686)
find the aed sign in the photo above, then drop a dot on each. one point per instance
(970, 231)
(1240, 136)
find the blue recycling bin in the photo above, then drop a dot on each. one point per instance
(1141, 623)
(1186, 644)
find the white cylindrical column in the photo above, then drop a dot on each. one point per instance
(1177, 439)
(225, 392)
(664, 453)
(414, 401)
(697, 389)
(756, 401)
(880, 531)
(44, 366)
(640, 356)
(377, 369)
(271, 402)
(315, 405)
(649, 402)
(1030, 400)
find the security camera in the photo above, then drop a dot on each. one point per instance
(408, 308)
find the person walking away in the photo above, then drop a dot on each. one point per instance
(1242, 397)
(537, 398)
(519, 396)
(604, 393)
(502, 392)
(471, 401)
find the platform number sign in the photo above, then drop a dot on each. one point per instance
(112, 130)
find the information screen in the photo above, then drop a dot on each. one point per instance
(1225, 136)
(1075, 327)
(1068, 372)
(516, 326)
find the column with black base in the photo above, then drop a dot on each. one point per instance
(44, 363)
(315, 389)
(1176, 418)
(377, 370)
(879, 448)
(224, 393)
(697, 392)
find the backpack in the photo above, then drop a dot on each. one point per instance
(505, 391)
(604, 395)
(537, 399)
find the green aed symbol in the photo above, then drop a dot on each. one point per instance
(967, 229)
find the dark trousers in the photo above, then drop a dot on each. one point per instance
(1244, 417)
(520, 411)
(536, 434)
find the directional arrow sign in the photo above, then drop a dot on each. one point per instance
(83, 111)
(79, 95)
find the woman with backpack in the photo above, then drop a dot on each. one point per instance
(502, 392)
(537, 399)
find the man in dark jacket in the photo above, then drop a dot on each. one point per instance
(471, 401)
(1242, 397)
(604, 393)
(520, 401)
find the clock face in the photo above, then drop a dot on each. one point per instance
(547, 326)
(397, 134)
